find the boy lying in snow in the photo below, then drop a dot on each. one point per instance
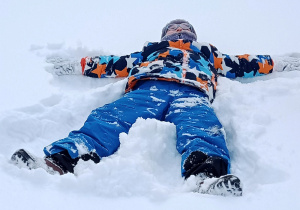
(173, 80)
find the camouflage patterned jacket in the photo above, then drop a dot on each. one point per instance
(191, 63)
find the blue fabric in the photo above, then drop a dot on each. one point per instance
(197, 126)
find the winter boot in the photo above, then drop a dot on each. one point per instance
(227, 185)
(24, 159)
(61, 162)
(209, 166)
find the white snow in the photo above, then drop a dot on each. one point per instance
(260, 115)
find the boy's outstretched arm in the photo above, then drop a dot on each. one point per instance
(97, 66)
(109, 66)
(233, 66)
(246, 65)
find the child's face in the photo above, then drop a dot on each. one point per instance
(177, 28)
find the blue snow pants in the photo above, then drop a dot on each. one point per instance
(197, 126)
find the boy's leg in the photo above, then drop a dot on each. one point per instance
(100, 133)
(200, 135)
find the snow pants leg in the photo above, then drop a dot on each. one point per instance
(200, 135)
(100, 133)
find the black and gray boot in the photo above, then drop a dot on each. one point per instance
(61, 162)
(227, 185)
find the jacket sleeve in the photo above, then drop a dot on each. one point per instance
(110, 66)
(233, 66)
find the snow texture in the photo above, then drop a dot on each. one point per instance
(260, 115)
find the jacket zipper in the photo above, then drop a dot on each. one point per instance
(185, 62)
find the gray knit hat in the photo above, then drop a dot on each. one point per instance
(184, 35)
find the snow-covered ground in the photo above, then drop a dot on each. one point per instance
(260, 115)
